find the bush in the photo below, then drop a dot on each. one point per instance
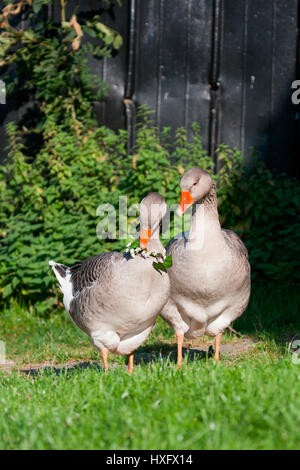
(50, 190)
(263, 208)
(47, 62)
(48, 206)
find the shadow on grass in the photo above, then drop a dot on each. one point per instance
(63, 369)
(140, 358)
(271, 317)
(272, 313)
(162, 351)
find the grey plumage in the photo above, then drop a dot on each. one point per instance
(210, 276)
(113, 297)
(96, 268)
(61, 269)
(235, 243)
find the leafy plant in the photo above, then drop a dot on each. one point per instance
(50, 192)
(263, 208)
(163, 265)
(49, 63)
(155, 164)
(162, 262)
(48, 206)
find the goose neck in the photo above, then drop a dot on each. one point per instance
(155, 243)
(205, 225)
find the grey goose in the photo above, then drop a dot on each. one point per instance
(210, 275)
(115, 298)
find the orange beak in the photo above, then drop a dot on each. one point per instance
(145, 237)
(185, 202)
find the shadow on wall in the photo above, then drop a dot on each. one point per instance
(21, 109)
(283, 147)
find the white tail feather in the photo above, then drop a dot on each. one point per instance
(65, 284)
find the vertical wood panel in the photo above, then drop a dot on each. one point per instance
(258, 75)
(198, 66)
(110, 110)
(173, 64)
(113, 70)
(173, 61)
(258, 65)
(232, 72)
(147, 54)
(283, 127)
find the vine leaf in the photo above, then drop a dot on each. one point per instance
(163, 266)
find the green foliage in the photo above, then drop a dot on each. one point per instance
(50, 191)
(155, 164)
(49, 63)
(263, 208)
(48, 205)
(163, 265)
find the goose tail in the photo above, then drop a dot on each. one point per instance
(61, 272)
(63, 275)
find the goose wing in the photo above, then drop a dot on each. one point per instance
(235, 243)
(176, 244)
(97, 268)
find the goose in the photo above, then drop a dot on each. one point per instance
(115, 298)
(210, 273)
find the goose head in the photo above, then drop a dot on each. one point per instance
(152, 209)
(195, 185)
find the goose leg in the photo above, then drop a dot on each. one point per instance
(217, 350)
(104, 353)
(179, 338)
(130, 363)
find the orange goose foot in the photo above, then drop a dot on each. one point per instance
(179, 338)
(217, 350)
(130, 364)
(104, 353)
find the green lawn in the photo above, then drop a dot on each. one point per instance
(248, 401)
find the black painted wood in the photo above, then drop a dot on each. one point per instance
(197, 104)
(258, 65)
(232, 72)
(283, 123)
(113, 71)
(175, 64)
(148, 55)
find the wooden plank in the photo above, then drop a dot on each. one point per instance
(172, 65)
(231, 72)
(173, 59)
(197, 100)
(147, 55)
(173, 62)
(257, 78)
(283, 126)
(110, 110)
(117, 69)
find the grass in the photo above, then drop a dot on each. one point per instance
(248, 401)
(253, 404)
